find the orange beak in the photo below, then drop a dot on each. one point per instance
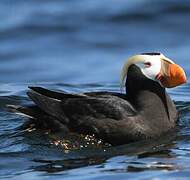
(174, 76)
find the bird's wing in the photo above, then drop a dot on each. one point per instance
(66, 106)
(104, 114)
(54, 94)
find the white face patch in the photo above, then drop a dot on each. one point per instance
(151, 66)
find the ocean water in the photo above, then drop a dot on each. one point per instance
(80, 46)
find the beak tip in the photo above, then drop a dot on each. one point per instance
(176, 76)
(183, 77)
(185, 80)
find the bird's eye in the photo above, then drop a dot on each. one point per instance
(147, 64)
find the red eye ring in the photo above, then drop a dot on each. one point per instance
(147, 64)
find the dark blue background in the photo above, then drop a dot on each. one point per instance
(87, 41)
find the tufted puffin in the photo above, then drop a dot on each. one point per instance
(143, 112)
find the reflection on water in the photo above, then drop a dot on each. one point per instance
(35, 154)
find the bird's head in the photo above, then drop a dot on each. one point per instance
(157, 67)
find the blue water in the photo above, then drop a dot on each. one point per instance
(80, 46)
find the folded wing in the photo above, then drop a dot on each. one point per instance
(101, 113)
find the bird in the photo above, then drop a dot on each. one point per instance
(143, 111)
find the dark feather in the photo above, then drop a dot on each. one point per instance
(146, 111)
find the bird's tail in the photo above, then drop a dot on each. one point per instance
(29, 111)
(38, 117)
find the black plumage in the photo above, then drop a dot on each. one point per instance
(145, 111)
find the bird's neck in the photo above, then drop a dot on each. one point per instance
(153, 102)
(146, 98)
